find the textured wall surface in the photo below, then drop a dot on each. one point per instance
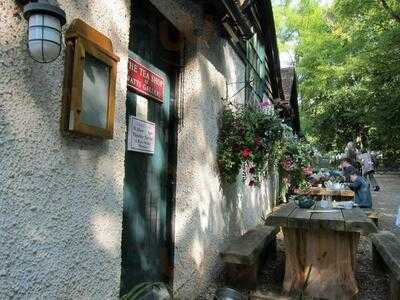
(208, 215)
(60, 197)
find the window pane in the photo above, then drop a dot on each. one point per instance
(256, 69)
(262, 71)
(96, 79)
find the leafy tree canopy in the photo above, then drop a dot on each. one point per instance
(347, 56)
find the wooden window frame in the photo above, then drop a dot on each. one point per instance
(253, 78)
(82, 48)
(81, 39)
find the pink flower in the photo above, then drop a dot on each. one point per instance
(296, 191)
(258, 141)
(287, 165)
(252, 183)
(265, 103)
(308, 170)
(246, 152)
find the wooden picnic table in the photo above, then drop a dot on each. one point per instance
(337, 194)
(340, 193)
(322, 247)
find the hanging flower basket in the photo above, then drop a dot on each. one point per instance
(252, 138)
(247, 136)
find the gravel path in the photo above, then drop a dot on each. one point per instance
(387, 201)
(372, 284)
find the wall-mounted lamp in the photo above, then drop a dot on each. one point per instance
(44, 30)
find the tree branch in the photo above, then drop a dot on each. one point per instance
(392, 13)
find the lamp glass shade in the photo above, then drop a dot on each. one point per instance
(44, 37)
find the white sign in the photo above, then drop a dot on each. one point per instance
(141, 135)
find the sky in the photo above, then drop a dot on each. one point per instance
(326, 2)
(296, 2)
(287, 57)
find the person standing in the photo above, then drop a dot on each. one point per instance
(368, 168)
(351, 153)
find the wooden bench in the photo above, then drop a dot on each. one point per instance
(243, 256)
(374, 217)
(386, 251)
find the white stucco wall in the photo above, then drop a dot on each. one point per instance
(60, 197)
(207, 215)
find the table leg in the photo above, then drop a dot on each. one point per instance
(330, 255)
(295, 260)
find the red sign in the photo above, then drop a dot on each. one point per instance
(144, 81)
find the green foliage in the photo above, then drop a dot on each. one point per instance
(347, 58)
(254, 138)
(248, 136)
(297, 156)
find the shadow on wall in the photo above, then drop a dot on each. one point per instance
(208, 215)
(61, 204)
(243, 207)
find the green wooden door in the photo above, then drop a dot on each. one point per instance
(147, 247)
(147, 188)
